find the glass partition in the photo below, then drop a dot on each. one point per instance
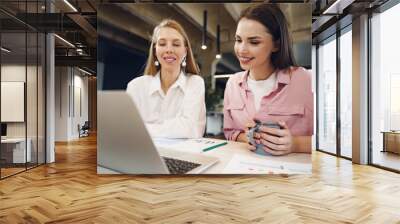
(22, 91)
(13, 105)
(41, 91)
(327, 95)
(31, 99)
(346, 93)
(385, 89)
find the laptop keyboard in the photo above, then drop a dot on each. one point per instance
(176, 166)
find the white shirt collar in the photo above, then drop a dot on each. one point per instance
(271, 78)
(155, 85)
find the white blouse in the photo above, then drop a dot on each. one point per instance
(181, 113)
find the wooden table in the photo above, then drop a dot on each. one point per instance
(391, 141)
(294, 163)
(15, 148)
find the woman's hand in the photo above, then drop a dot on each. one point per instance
(242, 137)
(250, 125)
(276, 141)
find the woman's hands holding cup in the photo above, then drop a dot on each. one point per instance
(275, 141)
(249, 126)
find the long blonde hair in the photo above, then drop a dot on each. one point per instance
(191, 66)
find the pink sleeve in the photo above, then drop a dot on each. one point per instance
(230, 132)
(309, 106)
(309, 113)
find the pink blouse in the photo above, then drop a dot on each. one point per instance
(291, 101)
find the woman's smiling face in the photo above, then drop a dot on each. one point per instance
(170, 47)
(253, 44)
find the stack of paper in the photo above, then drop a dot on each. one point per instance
(193, 145)
(241, 164)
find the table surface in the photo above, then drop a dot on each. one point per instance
(293, 163)
(391, 132)
(13, 140)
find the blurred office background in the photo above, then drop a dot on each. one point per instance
(48, 83)
(124, 38)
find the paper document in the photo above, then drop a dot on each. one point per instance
(168, 142)
(187, 144)
(204, 144)
(242, 164)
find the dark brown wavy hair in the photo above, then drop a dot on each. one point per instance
(274, 20)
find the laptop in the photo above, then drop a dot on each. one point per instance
(125, 146)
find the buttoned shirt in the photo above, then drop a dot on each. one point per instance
(180, 113)
(290, 101)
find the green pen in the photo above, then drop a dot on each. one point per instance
(215, 146)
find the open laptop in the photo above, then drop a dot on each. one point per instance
(125, 146)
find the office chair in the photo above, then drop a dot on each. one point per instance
(84, 130)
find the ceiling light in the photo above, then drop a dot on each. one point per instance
(218, 56)
(222, 76)
(84, 71)
(64, 40)
(5, 50)
(204, 34)
(70, 5)
(337, 7)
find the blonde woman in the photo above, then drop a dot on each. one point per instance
(170, 94)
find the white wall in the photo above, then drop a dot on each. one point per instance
(16, 73)
(33, 126)
(71, 94)
(12, 101)
(82, 82)
(13, 72)
(62, 80)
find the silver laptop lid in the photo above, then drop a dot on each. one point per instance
(123, 143)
